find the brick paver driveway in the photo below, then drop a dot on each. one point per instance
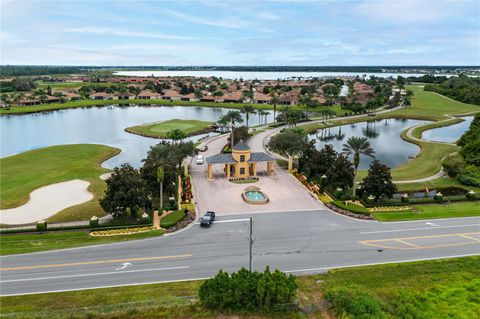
(224, 197)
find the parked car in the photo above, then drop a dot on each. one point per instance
(200, 159)
(207, 219)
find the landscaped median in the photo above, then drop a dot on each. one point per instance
(161, 129)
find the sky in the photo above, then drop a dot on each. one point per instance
(380, 32)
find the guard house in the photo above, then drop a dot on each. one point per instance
(241, 163)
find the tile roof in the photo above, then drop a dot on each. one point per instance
(241, 146)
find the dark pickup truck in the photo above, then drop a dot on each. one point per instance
(207, 219)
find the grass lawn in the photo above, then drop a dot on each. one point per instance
(160, 129)
(25, 172)
(431, 289)
(436, 183)
(430, 211)
(172, 219)
(33, 242)
(432, 106)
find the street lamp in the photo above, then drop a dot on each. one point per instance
(323, 178)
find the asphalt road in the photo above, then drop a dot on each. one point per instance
(298, 242)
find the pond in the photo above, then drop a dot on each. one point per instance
(449, 134)
(102, 125)
(384, 137)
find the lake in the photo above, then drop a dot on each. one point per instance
(384, 137)
(251, 75)
(449, 134)
(102, 125)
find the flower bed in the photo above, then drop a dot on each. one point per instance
(388, 208)
(121, 232)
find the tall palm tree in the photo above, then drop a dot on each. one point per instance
(355, 146)
(223, 123)
(247, 110)
(264, 114)
(161, 156)
(274, 101)
(233, 117)
(176, 135)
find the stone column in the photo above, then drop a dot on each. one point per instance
(269, 168)
(185, 167)
(254, 169)
(227, 167)
(209, 174)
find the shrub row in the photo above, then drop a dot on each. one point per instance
(246, 290)
(173, 218)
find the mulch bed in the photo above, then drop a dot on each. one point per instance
(347, 213)
(184, 223)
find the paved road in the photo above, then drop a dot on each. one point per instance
(299, 242)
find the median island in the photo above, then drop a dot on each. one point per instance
(161, 129)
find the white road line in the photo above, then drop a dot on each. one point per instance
(229, 221)
(379, 263)
(94, 274)
(420, 228)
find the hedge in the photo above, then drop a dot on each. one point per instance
(351, 207)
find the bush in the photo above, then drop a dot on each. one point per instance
(93, 222)
(355, 302)
(470, 176)
(246, 290)
(145, 218)
(453, 165)
(438, 198)
(42, 225)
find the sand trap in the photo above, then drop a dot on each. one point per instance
(105, 176)
(47, 201)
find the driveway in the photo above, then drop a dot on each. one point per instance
(224, 197)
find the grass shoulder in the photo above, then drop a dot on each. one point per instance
(160, 129)
(34, 242)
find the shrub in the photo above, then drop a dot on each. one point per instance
(246, 290)
(42, 225)
(93, 222)
(172, 219)
(471, 195)
(355, 302)
(438, 197)
(470, 176)
(351, 207)
(453, 165)
(145, 218)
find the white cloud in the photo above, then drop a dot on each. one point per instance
(126, 33)
(234, 23)
(410, 11)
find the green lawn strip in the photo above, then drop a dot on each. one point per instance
(23, 173)
(436, 183)
(417, 132)
(172, 219)
(29, 243)
(446, 288)
(160, 129)
(431, 211)
(70, 85)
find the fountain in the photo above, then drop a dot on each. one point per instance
(253, 195)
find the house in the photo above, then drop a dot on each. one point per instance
(261, 98)
(71, 96)
(100, 96)
(123, 96)
(149, 95)
(241, 163)
(234, 97)
(289, 98)
(189, 97)
(171, 95)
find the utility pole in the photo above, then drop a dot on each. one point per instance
(251, 245)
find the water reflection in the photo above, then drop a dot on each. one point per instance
(102, 125)
(448, 134)
(384, 137)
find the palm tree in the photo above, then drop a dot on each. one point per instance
(274, 101)
(222, 122)
(247, 110)
(161, 156)
(232, 117)
(262, 113)
(7, 99)
(355, 146)
(176, 135)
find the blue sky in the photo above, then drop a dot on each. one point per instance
(382, 32)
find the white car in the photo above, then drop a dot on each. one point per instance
(200, 159)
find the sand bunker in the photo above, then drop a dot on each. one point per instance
(47, 201)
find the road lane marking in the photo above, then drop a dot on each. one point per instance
(407, 243)
(420, 228)
(95, 274)
(384, 243)
(96, 262)
(229, 221)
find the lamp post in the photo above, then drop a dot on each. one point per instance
(323, 178)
